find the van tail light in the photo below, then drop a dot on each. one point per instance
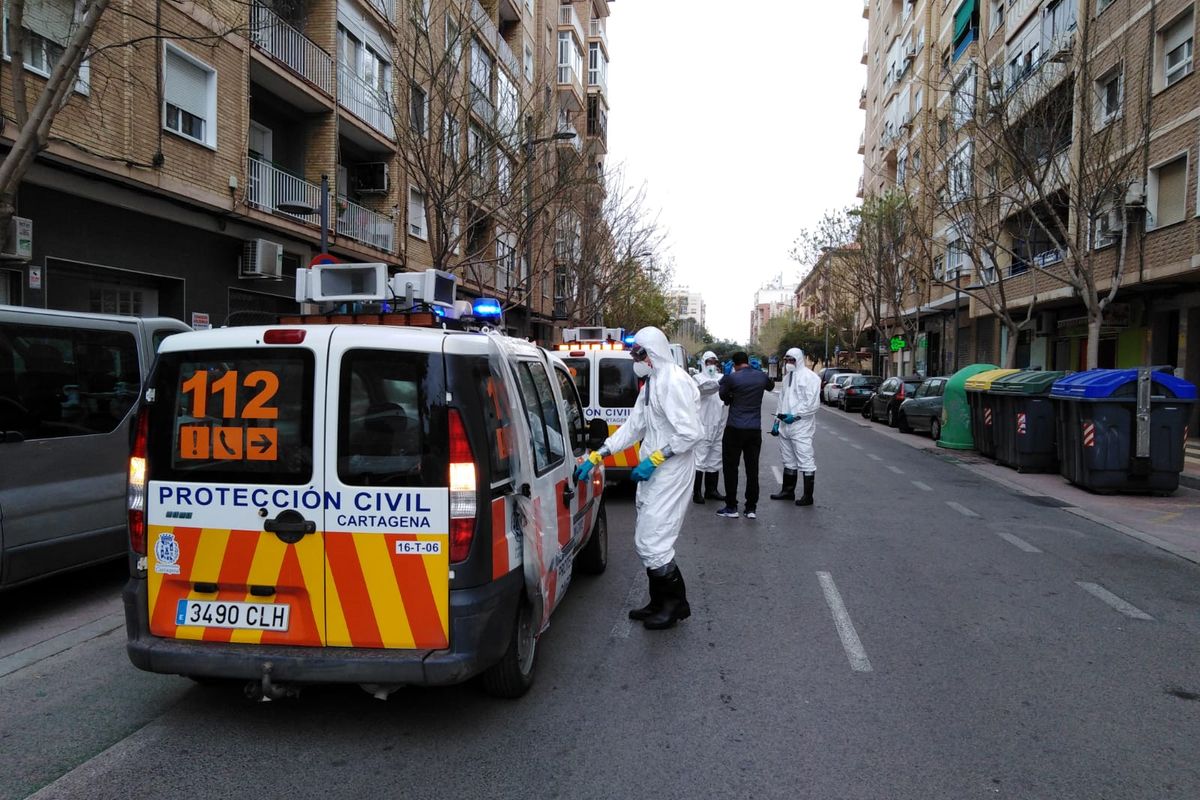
(462, 490)
(135, 494)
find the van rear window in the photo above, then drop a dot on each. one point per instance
(618, 385)
(581, 371)
(234, 416)
(384, 435)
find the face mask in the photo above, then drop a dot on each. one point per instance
(789, 367)
(711, 370)
(641, 369)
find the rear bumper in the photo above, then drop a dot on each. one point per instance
(481, 621)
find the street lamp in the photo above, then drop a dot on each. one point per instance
(530, 143)
(300, 206)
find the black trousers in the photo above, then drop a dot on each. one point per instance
(738, 444)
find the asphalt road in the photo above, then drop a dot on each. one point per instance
(920, 633)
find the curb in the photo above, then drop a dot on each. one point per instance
(1190, 480)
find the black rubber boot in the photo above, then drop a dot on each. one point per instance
(698, 489)
(674, 601)
(711, 479)
(788, 492)
(655, 600)
(809, 479)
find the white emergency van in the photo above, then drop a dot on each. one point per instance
(386, 504)
(600, 362)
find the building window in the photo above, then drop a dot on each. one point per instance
(957, 262)
(997, 18)
(453, 40)
(506, 261)
(189, 96)
(416, 213)
(418, 110)
(1177, 50)
(1109, 90)
(451, 134)
(964, 98)
(47, 29)
(966, 26)
(528, 63)
(420, 11)
(1101, 5)
(1167, 193)
(959, 168)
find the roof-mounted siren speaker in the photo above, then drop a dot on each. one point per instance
(342, 283)
(431, 287)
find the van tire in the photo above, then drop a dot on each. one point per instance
(512, 675)
(593, 558)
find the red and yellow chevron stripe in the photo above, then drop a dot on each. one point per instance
(625, 459)
(344, 589)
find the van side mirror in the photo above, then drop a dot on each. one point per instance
(597, 432)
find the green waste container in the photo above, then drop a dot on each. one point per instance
(1025, 421)
(1122, 430)
(983, 409)
(956, 415)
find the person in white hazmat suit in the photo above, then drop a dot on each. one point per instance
(713, 413)
(666, 420)
(796, 421)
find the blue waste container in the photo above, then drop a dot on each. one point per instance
(1122, 430)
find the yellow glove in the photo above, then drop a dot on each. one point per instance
(657, 458)
(595, 457)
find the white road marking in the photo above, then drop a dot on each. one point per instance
(856, 446)
(895, 469)
(778, 473)
(924, 487)
(874, 457)
(960, 508)
(1017, 541)
(1126, 608)
(843, 438)
(845, 628)
(633, 598)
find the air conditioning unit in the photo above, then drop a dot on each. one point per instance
(1135, 194)
(1111, 223)
(20, 240)
(370, 178)
(261, 259)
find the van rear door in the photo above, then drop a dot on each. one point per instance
(387, 542)
(236, 496)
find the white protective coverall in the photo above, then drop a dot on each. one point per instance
(666, 414)
(801, 396)
(713, 414)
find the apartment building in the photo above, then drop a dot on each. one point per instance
(187, 174)
(772, 300)
(824, 297)
(686, 304)
(1101, 98)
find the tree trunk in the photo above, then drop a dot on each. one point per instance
(1010, 351)
(1093, 341)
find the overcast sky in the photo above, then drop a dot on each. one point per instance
(742, 119)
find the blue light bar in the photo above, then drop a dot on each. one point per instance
(628, 340)
(487, 307)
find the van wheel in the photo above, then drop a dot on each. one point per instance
(593, 559)
(512, 675)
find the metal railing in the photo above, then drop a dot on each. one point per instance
(366, 226)
(598, 29)
(509, 59)
(568, 16)
(365, 101)
(482, 105)
(485, 29)
(567, 74)
(268, 187)
(291, 48)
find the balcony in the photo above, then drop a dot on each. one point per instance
(366, 226)
(866, 51)
(569, 18)
(862, 143)
(598, 30)
(366, 102)
(866, 9)
(569, 86)
(268, 187)
(860, 188)
(485, 28)
(290, 48)
(597, 120)
(862, 99)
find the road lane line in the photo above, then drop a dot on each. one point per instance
(924, 487)
(778, 473)
(874, 457)
(960, 508)
(1125, 607)
(845, 628)
(1018, 542)
(895, 469)
(61, 643)
(856, 446)
(632, 600)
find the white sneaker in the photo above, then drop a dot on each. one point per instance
(751, 515)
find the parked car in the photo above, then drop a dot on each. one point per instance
(885, 404)
(866, 406)
(828, 373)
(857, 391)
(832, 393)
(923, 411)
(68, 386)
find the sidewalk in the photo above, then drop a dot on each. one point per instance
(1170, 523)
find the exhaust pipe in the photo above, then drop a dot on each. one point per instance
(380, 691)
(265, 690)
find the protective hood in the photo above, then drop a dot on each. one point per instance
(798, 354)
(656, 344)
(707, 355)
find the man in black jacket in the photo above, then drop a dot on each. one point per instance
(742, 390)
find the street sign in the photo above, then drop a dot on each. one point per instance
(200, 321)
(323, 258)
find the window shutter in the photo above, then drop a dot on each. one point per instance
(186, 85)
(416, 212)
(1176, 35)
(1172, 192)
(50, 19)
